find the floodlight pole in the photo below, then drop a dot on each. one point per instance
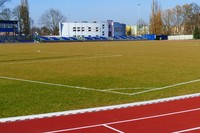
(138, 29)
(68, 17)
(68, 12)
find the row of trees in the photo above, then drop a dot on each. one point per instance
(48, 20)
(180, 20)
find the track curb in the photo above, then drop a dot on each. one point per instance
(73, 112)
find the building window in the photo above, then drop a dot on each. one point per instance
(74, 27)
(103, 26)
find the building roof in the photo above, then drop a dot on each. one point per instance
(8, 21)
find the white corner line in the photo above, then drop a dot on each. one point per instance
(61, 85)
(166, 87)
(72, 112)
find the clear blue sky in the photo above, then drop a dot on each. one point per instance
(125, 11)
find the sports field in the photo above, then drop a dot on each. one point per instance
(52, 77)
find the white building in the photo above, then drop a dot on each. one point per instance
(94, 29)
(84, 29)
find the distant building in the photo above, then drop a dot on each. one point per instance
(92, 29)
(138, 31)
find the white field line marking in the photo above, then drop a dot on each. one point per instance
(187, 130)
(137, 88)
(55, 60)
(114, 129)
(60, 85)
(166, 87)
(125, 121)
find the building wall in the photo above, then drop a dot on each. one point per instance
(95, 29)
(84, 29)
(180, 37)
(119, 29)
(110, 28)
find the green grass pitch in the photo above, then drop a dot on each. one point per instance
(52, 77)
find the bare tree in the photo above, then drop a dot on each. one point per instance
(17, 16)
(6, 14)
(195, 18)
(187, 14)
(2, 2)
(50, 19)
(141, 22)
(155, 19)
(178, 20)
(167, 18)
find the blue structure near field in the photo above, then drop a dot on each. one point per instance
(155, 37)
(115, 38)
(8, 30)
(8, 26)
(75, 39)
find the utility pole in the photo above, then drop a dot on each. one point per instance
(138, 29)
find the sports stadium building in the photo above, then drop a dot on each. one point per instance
(92, 29)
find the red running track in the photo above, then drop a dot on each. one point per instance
(178, 116)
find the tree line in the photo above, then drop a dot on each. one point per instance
(180, 20)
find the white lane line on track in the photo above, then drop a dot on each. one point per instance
(56, 60)
(114, 129)
(187, 130)
(61, 85)
(125, 121)
(166, 87)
